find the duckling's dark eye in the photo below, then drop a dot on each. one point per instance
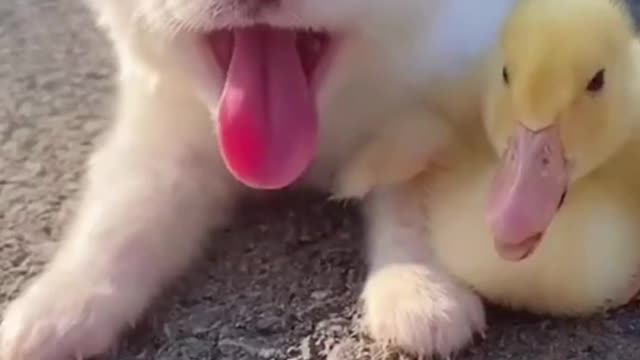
(505, 75)
(597, 82)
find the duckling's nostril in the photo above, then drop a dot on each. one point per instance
(546, 155)
(545, 161)
(510, 152)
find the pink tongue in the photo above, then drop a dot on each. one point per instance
(267, 120)
(527, 191)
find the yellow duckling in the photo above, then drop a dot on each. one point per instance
(537, 207)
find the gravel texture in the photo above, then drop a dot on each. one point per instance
(284, 286)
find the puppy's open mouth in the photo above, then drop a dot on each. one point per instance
(312, 47)
(267, 114)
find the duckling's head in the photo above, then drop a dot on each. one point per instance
(558, 107)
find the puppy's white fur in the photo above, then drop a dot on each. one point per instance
(157, 182)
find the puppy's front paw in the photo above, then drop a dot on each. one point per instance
(421, 311)
(60, 318)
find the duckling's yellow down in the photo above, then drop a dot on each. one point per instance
(550, 50)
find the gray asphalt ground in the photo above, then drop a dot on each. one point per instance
(285, 284)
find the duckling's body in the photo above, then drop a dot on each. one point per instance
(588, 256)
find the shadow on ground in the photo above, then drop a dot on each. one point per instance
(286, 287)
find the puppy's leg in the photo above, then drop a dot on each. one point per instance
(408, 301)
(147, 206)
(397, 152)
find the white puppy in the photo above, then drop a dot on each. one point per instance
(210, 105)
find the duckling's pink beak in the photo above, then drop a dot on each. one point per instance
(528, 189)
